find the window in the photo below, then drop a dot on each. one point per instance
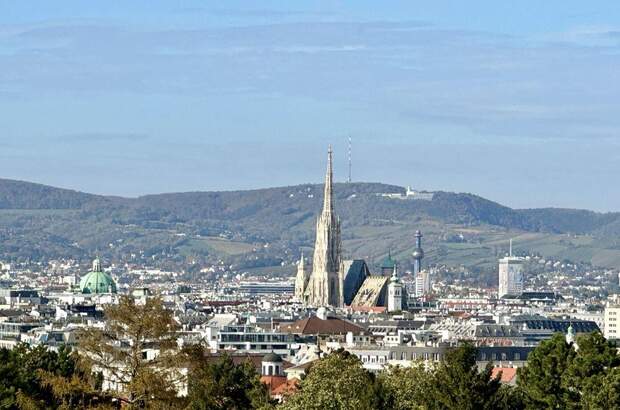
(517, 356)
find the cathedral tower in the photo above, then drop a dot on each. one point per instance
(302, 278)
(324, 286)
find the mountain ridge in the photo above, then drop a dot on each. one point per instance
(71, 223)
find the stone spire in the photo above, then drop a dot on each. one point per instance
(324, 285)
(302, 278)
(328, 204)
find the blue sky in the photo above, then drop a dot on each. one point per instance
(514, 102)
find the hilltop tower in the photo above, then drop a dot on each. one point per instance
(325, 284)
(418, 253)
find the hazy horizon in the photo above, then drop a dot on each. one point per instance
(513, 102)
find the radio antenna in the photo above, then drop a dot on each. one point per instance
(349, 180)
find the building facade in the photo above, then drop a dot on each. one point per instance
(510, 276)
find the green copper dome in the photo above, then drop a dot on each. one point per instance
(388, 262)
(97, 281)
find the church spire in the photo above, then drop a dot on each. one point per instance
(328, 205)
(324, 286)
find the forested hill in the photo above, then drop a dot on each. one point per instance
(38, 221)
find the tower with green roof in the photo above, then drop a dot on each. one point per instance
(388, 265)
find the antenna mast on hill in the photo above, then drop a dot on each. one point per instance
(349, 180)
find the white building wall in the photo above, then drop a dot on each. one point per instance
(510, 276)
(422, 283)
(612, 322)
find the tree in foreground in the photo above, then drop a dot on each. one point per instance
(222, 384)
(335, 382)
(559, 375)
(119, 352)
(407, 388)
(455, 383)
(460, 385)
(39, 378)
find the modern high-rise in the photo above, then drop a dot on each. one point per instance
(510, 276)
(422, 283)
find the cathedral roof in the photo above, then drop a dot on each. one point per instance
(372, 292)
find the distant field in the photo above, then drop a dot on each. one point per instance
(218, 245)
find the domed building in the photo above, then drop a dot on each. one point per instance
(97, 281)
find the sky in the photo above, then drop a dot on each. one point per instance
(515, 101)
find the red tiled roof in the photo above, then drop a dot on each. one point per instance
(287, 388)
(315, 326)
(273, 381)
(508, 374)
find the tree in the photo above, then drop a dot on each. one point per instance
(606, 394)
(408, 388)
(594, 357)
(335, 382)
(20, 373)
(460, 385)
(510, 398)
(136, 352)
(37, 378)
(223, 384)
(541, 379)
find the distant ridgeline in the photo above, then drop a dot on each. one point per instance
(267, 228)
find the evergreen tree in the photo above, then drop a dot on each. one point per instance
(541, 380)
(594, 357)
(39, 378)
(460, 385)
(604, 392)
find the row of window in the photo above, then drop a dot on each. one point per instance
(503, 356)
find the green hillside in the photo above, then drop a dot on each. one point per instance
(268, 227)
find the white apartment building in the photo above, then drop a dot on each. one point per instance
(612, 321)
(510, 276)
(422, 283)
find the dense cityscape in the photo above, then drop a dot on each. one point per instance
(329, 309)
